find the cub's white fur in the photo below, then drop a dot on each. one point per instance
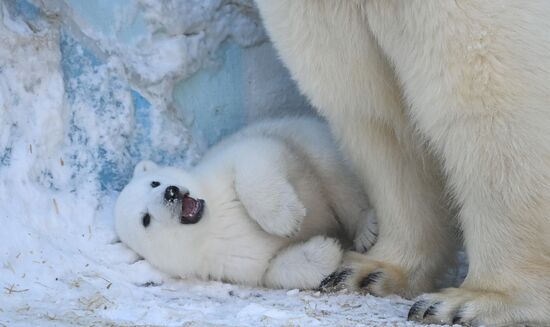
(275, 195)
(431, 89)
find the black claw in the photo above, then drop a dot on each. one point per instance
(371, 278)
(343, 275)
(328, 280)
(431, 310)
(457, 319)
(334, 279)
(415, 308)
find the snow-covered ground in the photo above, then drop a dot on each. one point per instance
(88, 88)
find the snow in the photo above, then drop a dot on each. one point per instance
(78, 108)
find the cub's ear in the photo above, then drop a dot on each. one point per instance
(143, 166)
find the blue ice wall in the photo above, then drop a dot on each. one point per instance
(214, 97)
(101, 15)
(112, 120)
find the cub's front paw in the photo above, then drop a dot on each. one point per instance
(286, 221)
(281, 214)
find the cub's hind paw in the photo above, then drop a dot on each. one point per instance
(304, 265)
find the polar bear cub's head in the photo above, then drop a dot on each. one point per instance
(158, 212)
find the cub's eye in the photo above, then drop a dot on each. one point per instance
(146, 220)
(155, 184)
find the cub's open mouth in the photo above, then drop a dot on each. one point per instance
(191, 210)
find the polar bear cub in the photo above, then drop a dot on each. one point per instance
(266, 207)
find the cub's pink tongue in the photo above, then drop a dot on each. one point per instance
(190, 206)
(191, 211)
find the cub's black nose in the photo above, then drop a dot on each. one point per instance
(172, 193)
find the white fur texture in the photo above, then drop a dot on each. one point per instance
(449, 97)
(277, 196)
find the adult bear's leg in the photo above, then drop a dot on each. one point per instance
(476, 76)
(331, 53)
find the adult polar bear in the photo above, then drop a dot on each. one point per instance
(470, 81)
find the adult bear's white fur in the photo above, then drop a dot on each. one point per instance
(470, 80)
(273, 193)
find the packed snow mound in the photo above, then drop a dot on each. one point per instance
(77, 110)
